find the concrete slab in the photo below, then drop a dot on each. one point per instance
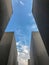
(28, 61)
(13, 53)
(38, 53)
(5, 45)
(5, 14)
(40, 11)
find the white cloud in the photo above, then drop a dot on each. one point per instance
(22, 48)
(25, 49)
(23, 56)
(22, 61)
(21, 3)
(17, 43)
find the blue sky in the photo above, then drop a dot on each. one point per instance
(22, 23)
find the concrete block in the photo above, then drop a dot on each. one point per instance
(5, 14)
(38, 53)
(40, 11)
(5, 45)
(13, 54)
(28, 61)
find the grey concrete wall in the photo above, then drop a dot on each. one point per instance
(5, 14)
(32, 52)
(28, 61)
(5, 45)
(17, 63)
(40, 11)
(13, 54)
(38, 53)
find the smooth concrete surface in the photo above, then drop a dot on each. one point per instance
(17, 62)
(5, 14)
(38, 53)
(5, 45)
(40, 11)
(13, 54)
(28, 61)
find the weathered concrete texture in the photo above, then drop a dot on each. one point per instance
(38, 53)
(13, 54)
(5, 14)
(40, 11)
(5, 45)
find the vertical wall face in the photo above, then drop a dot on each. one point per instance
(33, 57)
(5, 14)
(5, 45)
(38, 52)
(41, 14)
(13, 54)
(28, 61)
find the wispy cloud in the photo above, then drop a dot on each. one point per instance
(22, 37)
(21, 3)
(23, 56)
(34, 27)
(30, 14)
